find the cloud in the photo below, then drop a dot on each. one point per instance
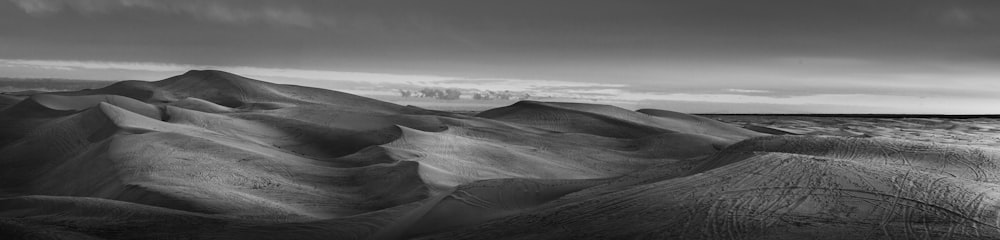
(959, 17)
(236, 12)
(71, 65)
(737, 90)
(37, 8)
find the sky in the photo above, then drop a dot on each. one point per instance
(753, 56)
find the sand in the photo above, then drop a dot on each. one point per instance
(213, 155)
(981, 131)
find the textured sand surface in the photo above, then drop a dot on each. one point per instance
(968, 131)
(212, 155)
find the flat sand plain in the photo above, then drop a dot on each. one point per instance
(979, 131)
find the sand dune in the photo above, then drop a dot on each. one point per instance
(785, 188)
(770, 196)
(213, 155)
(8, 100)
(610, 121)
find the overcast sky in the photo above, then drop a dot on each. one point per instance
(904, 56)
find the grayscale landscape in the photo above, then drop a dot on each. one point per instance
(213, 155)
(517, 119)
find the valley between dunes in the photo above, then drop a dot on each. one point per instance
(213, 155)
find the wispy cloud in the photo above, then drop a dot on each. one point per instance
(219, 11)
(958, 17)
(737, 90)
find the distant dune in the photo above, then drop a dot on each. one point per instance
(213, 155)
